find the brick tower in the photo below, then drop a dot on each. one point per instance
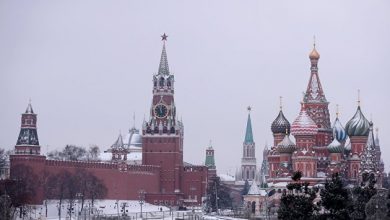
(210, 162)
(28, 142)
(304, 130)
(248, 161)
(163, 133)
(317, 107)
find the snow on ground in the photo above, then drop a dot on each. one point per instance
(101, 207)
(109, 208)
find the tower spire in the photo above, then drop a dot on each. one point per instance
(163, 68)
(337, 110)
(248, 132)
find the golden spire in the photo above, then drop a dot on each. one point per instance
(280, 103)
(314, 53)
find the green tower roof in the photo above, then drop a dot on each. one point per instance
(248, 133)
(210, 161)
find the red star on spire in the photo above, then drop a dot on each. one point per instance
(164, 37)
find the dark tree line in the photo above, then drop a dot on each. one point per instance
(71, 187)
(17, 192)
(75, 153)
(336, 200)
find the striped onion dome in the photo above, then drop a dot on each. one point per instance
(280, 124)
(338, 131)
(303, 124)
(335, 147)
(358, 125)
(286, 145)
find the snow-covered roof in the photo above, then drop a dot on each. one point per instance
(254, 189)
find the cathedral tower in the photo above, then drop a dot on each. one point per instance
(316, 104)
(304, 130)
(248, 161)
(358, 129)
(28, 142)
(163, 133)
(317, 107)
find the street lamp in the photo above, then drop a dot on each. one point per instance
(141, 197)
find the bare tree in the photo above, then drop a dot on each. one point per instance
(3, 158)
(93, 152)
(70, 152)
(57, 188)
(97, 190)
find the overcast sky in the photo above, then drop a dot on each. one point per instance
(87, 67)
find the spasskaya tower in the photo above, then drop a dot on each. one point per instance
(163, 132)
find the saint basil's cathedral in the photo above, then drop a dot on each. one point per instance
(321, 149)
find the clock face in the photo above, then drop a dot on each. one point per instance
(160, 111)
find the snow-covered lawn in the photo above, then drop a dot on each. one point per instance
(109, 208)
(101, 207)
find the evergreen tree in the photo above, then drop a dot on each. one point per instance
(298, 204)
(335, 199)
(245, 190)
(217, 191)
(361, 195)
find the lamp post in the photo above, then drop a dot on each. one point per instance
(141, 197)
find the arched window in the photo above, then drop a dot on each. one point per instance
(161, 81)
(253, 207)
(247, 174)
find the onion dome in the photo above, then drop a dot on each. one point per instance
(286, 145)
(314, 54)
(339, 132)
(358, 125)
(303, 124)
(335, 146)
(280, 124)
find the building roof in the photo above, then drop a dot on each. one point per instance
(248, 133)
(339, 132)
(303, 124)
(280, 125)
(358, 125)
(254, 189)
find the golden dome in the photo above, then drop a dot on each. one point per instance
(314, 54)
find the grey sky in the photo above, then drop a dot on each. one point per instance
(88, 65)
